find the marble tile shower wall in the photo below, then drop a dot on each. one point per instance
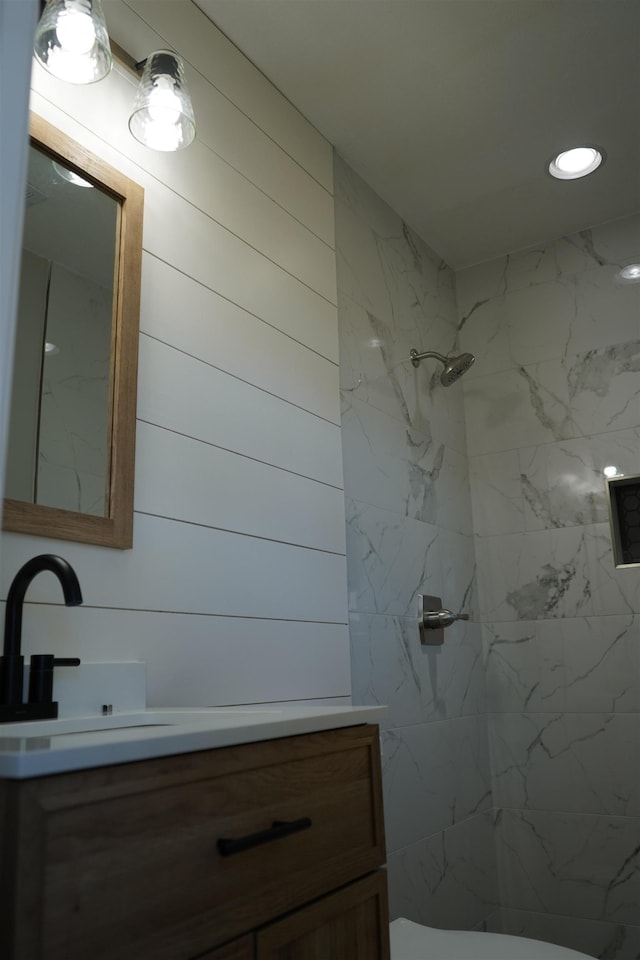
(409, 530)
(554, 397)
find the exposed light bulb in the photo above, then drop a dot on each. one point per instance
(162, 116)
(164, 105)
(75, 32)
(163, 136)
(71, 41)
(69, 66)
(162, 131)
(610, 471)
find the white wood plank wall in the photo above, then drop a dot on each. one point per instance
(235, 589)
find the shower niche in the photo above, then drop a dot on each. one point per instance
(624, 515)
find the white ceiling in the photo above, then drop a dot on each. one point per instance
(450, 109)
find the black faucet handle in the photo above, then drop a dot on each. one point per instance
(41, 675)
(11, 679)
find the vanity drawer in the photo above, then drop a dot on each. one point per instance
(131, 865)
(352, 924)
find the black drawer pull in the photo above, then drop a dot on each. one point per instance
(278, 829)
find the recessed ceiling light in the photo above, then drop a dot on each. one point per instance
(630, 273)
(577, 162)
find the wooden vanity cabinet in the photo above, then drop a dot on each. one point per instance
(351, 924)
(238, 950)
(126, 862)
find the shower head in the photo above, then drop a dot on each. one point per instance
(454, 367)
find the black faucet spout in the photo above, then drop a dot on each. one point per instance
(11, 663)
(15, 598)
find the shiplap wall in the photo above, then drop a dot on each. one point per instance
(235, 589)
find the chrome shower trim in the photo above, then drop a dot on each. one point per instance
(416, 357)
(454, 367)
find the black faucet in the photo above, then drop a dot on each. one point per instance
(40, 703)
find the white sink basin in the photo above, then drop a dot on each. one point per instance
(218, 716)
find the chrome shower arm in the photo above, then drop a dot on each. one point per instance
(416, 357)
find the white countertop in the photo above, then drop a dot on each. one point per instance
(40, 748)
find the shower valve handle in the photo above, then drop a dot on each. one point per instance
(433, 618)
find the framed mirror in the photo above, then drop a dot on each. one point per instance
(70, 457)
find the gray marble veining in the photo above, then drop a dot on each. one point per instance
(580, 665)
(390, 559)
(608, 941)
(387, 269)
(535, 575)
(400, 469)
(570, 863)
(522, 673)
(435, 774)
(609, 245)
(559, 572)
(522, 406)
(417, 683)
(553, 400)
(409, 531)
(554, 484)
(448, 880)
(603, 387)
(563, 484)
(582, 763)
(497, 494)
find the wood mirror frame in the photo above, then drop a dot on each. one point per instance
(115, 529)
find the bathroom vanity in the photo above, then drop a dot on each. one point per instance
(268, 850)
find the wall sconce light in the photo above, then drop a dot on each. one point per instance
(71, 41)
(162, 116)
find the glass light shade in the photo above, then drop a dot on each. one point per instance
(72, 41)
(162, 116)
(575, 163)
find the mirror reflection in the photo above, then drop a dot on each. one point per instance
(59, 423)
(71, 456)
